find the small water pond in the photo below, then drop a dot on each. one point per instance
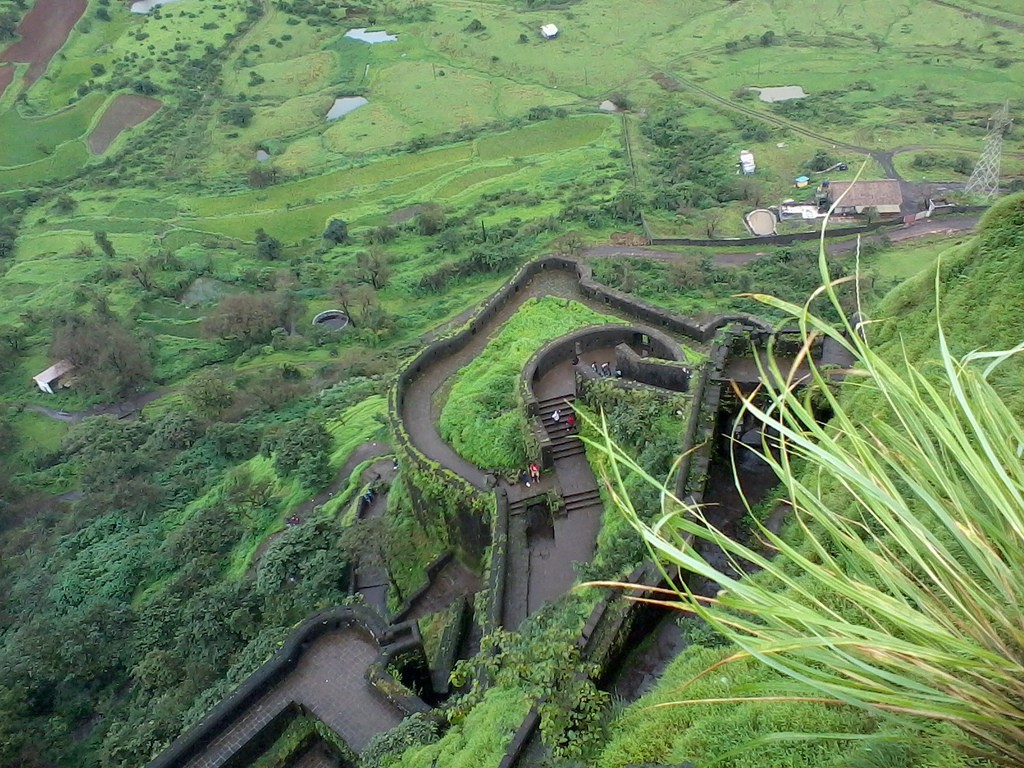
(345, 105)
(780, 93)
(262, 155)
(145, 6)
(367, 37)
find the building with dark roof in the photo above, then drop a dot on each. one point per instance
(853, 197)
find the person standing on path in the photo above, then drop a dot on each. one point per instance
(556, 416)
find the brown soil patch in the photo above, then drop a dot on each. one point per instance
(43, 31)
(627, 238)
(408, 213)
(125, 112)
(665, 81)
(6, 76)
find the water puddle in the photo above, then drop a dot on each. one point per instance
(345, 105)
(780, 93)
(145, 6)
(361, 34)
(262, 155)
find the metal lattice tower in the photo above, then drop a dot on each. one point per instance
(985, 178)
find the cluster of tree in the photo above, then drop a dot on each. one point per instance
(119, 623)
(692, 172)
(11, 12)
(109, 358)
(957, 163)
(302, 449)
(765, 40)
(248, 319)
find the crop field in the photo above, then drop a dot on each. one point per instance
(470, 75)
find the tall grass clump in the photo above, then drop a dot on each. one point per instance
(899, 585)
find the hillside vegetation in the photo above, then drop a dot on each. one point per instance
(178, 257)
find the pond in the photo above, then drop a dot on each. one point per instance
(368, 37)
(780, 93)
(345, 105)
(145, 6)
(262, 155)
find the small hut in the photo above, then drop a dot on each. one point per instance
(54, 376)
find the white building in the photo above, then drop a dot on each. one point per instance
(548, 31)
(52, 375)
(747, 162)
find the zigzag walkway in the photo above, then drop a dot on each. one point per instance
(541, 552)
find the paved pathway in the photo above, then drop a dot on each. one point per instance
(453, 581)
(371, 576)
(329, 682)
(735, 258)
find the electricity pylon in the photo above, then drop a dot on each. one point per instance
(985, 178)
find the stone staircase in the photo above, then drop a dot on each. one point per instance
(564, 443)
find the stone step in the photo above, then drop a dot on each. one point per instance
(550, 403)
(582, 500)
(518, 507)
(567, 450)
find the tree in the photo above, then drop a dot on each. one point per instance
(374, 267)
(103, 241)
(686, 274)
(8, 25)
(246, 317)
(627, 206)
(382, 235)
(142, 270)
(145, 87)
(545, 662)
(430, 220)
(871, 214)
(108, 358)
(712, 220)
(570, 244)
(267, 247)
(346, 295)
(336, 231)
(302, 450)
(239, 115)
(261, 177)
(822, 160)
(65, 204)
(752, 190)
(208, 394)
